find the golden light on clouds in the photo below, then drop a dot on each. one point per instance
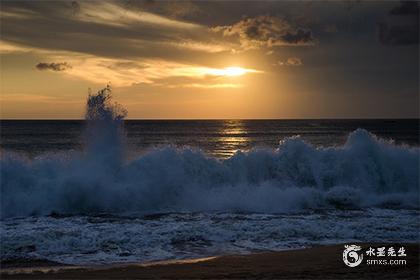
(127, 73)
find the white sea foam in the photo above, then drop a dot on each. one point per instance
(94, 240)
(364, 172)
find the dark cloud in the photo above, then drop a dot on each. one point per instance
(298, 37)
(53, 66)
(406, 8)
(106, 29)
(75, 6)
(267, 31)
(402, 25)
(291, 61)
(398, 34)
(173, 9)
(330, 28)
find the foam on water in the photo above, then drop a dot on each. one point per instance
(96, 240)
(364, 172)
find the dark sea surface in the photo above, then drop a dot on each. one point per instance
(219, 138)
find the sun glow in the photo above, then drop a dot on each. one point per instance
(232, 71)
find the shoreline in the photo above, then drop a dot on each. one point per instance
(321, 262)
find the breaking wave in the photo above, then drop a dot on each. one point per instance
(365, 172)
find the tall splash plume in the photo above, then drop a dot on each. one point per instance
(104, 133)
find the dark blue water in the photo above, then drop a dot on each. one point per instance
(220, 138)
(93, 208)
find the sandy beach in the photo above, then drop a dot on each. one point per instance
(324, 262)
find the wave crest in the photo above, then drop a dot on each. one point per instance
(364, 172)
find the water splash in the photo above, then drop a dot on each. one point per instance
(104, 133)
(100, 108)
(365, 172)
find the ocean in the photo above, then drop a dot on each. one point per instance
(109, 191)
(217, 138)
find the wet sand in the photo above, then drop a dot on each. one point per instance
(324, 262)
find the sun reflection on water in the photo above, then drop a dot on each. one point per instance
(232, 136)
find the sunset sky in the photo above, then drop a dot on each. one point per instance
(211, 60)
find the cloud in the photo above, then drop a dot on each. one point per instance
(107, 29)
(154, 72)
(266, 31)
(111, 41)
(53, 66)
(203, 82)
(19, 97)
(172, 9)
(75, 6)
(330, 28)
(6, 48)
(291, 61)
(112, 14)
(402, 25)
(406, 8)
(398, 34)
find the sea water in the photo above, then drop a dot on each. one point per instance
(106, 190)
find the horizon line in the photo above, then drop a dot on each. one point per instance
(210, 119)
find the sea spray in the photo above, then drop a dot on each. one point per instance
(104, 133)
(364, 172)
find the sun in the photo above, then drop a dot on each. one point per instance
(231, 71)
(234, 71)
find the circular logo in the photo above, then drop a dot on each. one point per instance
(351, 257)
